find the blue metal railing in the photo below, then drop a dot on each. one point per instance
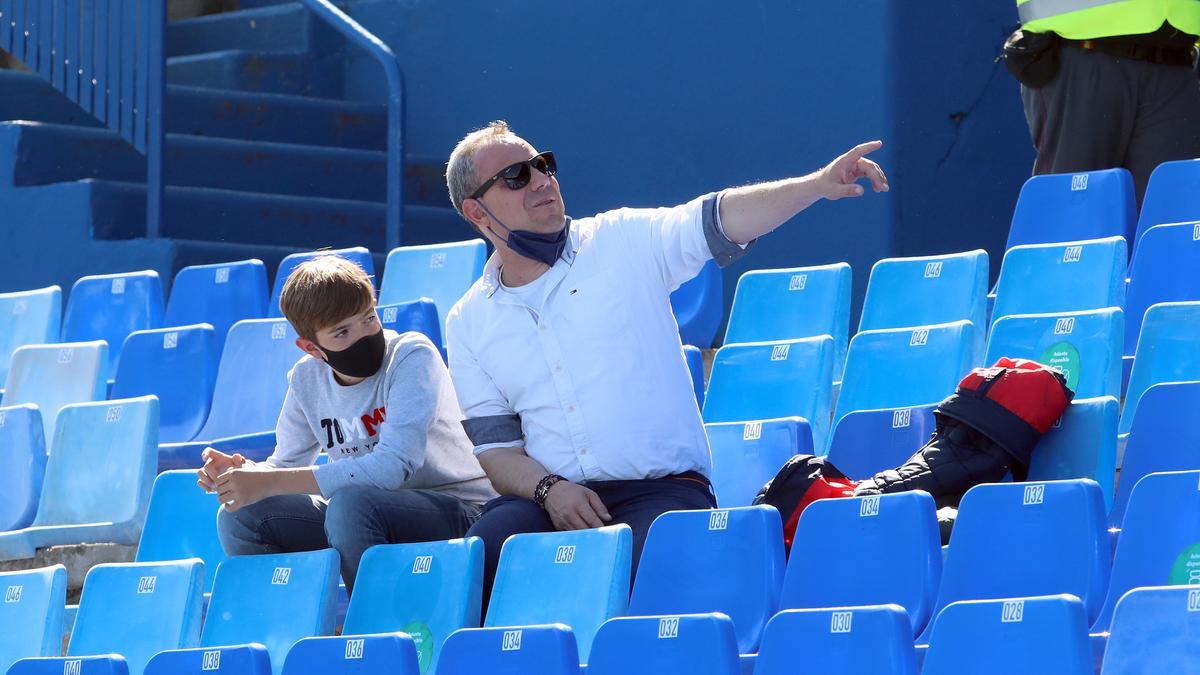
(360, 36)
(108, 57)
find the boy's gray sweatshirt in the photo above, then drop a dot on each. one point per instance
(399, 428)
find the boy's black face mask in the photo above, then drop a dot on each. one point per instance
(364, 358)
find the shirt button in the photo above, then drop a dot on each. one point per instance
(558, 367)
(542, 326)
(570, 408)
(583, 451)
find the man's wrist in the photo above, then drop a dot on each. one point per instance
(542, 491)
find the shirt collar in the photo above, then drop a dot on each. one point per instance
(491, 270)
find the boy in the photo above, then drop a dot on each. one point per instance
(382, 407)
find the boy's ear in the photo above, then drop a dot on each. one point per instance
(309, 347)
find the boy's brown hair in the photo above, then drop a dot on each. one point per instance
(323, 292)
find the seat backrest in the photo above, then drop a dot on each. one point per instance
(698, 644)
(547, 650)
(695, 363)
(1170, 196)
(766, 380)
(358, 255)
(391, 653)
(1163, 270)
(905, 367)
(235, 660)
(1071, 276)
(113, 664)
(179, 366)
(139, 609)
(1158, 542)
(786, 304)
(870, 640)
(427, 590)
(1171, 335)
(1083, 444)
(181, 523)
(102, 465)
(745, 455)
(907, 292)
(31, 616)
(699, 306)
(1154, 630)
(22, 465)
(726, 560)
(111, 306)
(834, 560)
(440, 272)
(28, 318)
(1068, 207)
(1084, 346)
(52, 376)
(1013, 540)
(220, 295)
(865, 442)
(273, 600)
(1162, 437)
(582, 580)
(415, 315)
(251, 379)
(1046, 634)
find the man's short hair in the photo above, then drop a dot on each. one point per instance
(461, 179)
(323, 292)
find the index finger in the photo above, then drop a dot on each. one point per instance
(589, 515)
(863, 149)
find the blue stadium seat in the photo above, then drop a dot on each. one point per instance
(181, 523)
(1162, 437)
(273, 600)
(179, 366)
(835, 556)
(546, 650)
(1072, 276)
(907, 292)
(358, 255)
(139, 609)
(28, 318)
(111, 306)
(1170, 196)
(1085, 346)
(1163, 270)
(52, 376)
(87, 665)
(699, 305)
(905, 367)
(1154, 630)
(237, 660)
(695, 364)
(440, 272)
(98, 478)
(1014, 540)
(787, 304)
(582, 580)
(415, 315)
(697, 644)
(219, 295)
(728, 560)
(1068, 207)
(865, 442)
(427, 590)
(1171, 333)
(871, 640)
(31, 616)
(745, 455)
(766, 380)
(1046, 634)
(251, 385)
(1158, 543)
(1082, 445)
(22, 465)
(390, 653)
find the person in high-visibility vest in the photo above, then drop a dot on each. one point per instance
(1108, 83)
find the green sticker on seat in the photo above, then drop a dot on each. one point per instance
(1064, 357)
(423, 639)
(1186, 570)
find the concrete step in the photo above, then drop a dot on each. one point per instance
(276, 28)
(297, 74)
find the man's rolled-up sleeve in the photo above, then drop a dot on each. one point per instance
(489, 420)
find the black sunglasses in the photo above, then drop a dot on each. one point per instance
(516, 176)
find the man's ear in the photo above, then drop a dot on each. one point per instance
(474, 214)
(309, 347)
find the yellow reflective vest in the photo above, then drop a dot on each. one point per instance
(1089, 19)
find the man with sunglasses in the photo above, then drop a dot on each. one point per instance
(565, 354)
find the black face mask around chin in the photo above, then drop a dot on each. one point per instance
(542, 247)
(364, 358)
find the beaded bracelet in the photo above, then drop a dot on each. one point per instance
(543, 489)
